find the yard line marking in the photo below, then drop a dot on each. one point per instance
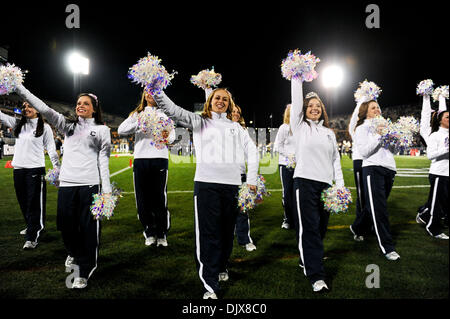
(279, 190)
(121, 171)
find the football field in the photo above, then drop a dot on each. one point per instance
(127, 269)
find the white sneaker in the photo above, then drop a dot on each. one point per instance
(285, 225)
(30, 245)
(23, 232)
(209, 295)
(162, 242)
(319, 285)
(356, 237)
(441, 236)
(79, 283)
(150, 241)
(250, 247)
(392, 256)
(419, 220)
(223, 276)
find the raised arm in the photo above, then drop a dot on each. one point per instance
(9, 121)
(53, 117)
(297, 104)
(49, 144)
(354, 120)
(177, 113)
(442, 104)
(425, 118)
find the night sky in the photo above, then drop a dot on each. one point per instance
(245, 41)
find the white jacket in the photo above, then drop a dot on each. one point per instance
(437, 152)
(221, 145)
(316, 150)
(284, 144)
(29, 150)
(142, 142)
(86, 151)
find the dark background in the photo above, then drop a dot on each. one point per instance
(245, 41)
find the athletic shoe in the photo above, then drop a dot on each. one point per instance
(162, 242)
(223, 276)
(392, 256)
(419, 220)
(250, 247)
(356, 237)
(150, 241)
(209, 295)
(441, 236)
(23, 232)
(285, 225)
(79, 283)
(319, 285)
(30, 245)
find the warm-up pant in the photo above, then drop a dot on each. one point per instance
(437, 205)
(31, 193)
(243, 223)
(215, 219)
(150, 187)
(310, 221)
(287, 185)
(80, 231)
(363, 222)
(378, 182)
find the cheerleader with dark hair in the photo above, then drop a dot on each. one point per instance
(436, 137)
(33, 136)
(151, 163)
(84, 172)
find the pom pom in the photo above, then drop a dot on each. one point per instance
(153, 124)
(442, 90)
(290, 160)
(247, 200)
(425, 87)
(52, 176)
(299, 66)
(103, 204)
(149, 73)
(206, 79)
(336, 199)
(367, 91)
(396, 135)
(10, 77)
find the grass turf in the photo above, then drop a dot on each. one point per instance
(127, 269)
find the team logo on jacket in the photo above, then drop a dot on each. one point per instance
(92, 133)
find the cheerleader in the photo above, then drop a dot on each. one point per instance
(33, 136)
(436, 137)
(150, 164)
(221, 145)
(318, 164)
(285, 146)
(242, 221)
(378, 170)
(84, 172)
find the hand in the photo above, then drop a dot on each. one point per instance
(252, 188)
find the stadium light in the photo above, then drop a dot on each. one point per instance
(77, 63)
(332, 76)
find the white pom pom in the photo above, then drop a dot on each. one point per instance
(10, 77)
(300, 66)
(425, 87)
(442, 90)
(367, 91)
(206, 79)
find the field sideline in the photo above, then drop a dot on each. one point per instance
(127, 269)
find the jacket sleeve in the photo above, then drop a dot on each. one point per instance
(103, 159)
(280, 139)
(9, 121)
(366, 142)
(251, 153)
(129, 126)
(49, 144)
(297, 104)
(208, 92)
(56, 119)
(338, 176)
(425, 118)
(354, 120)
(433, 150)
(177, 113)
(442, 104)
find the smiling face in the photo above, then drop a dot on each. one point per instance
(313, 110)
(29, 111)
(235, 115)
(444, 120)
(220, 101)
(373, 110)
(84, 107)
